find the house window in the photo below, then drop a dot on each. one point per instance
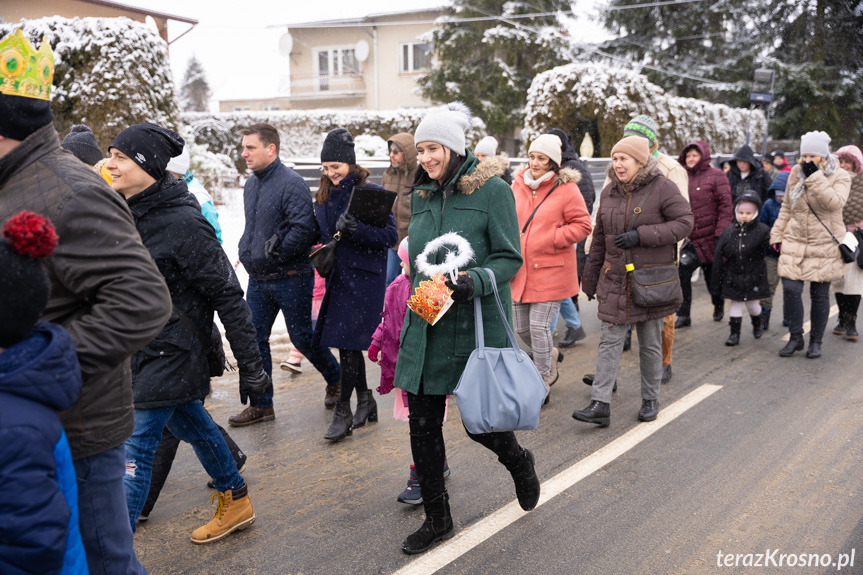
(415, 57)
(335, 62)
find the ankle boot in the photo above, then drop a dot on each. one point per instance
(794, 344)
(526, 482)
(341, 425)
(734, 337)
(814, 350)
(437, 526)
(765, 318)
(597, 412)
(718, 312)
(233, 513)
(757, 328)
(367, 408)
(851, 327)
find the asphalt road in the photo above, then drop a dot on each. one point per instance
(768, 464)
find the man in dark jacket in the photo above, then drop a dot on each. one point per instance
(746, 173)
(274, 249)
(105, 290)
(171, 375)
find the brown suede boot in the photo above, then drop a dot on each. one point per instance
(332, 395)
(234, 512)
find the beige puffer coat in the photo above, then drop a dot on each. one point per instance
(808, 251)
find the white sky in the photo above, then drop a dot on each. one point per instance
(238, 48)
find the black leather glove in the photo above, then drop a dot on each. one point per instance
(627, 240)
(347, 225)
(808, 168)
(271, 245)
(462, 289)
(254, 382)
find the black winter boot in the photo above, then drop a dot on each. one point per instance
(765, 318)
(718, 312)
(840, 327)
(438, 526)
(367, 408)
(597, 412)
(814, 350)
(794, 344)
(757, 328)
(851, 328)
(341, 425)
(682, 321)
(526, 481)
(734, 338)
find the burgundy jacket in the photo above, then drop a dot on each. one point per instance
(710, 199)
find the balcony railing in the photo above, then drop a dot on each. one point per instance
(309, 84)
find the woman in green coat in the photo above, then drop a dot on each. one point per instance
(455, 192)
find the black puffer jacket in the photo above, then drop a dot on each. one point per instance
(570, 159)
(277, 201)
(758, 179)
(173, 369)
(739, 272)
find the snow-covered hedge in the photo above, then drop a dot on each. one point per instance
(575, 95)
(109, 73)
(302, 132)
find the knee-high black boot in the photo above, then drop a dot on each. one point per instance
(734, 337)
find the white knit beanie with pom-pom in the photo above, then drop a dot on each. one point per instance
(446, 127)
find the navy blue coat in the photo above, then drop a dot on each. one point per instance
(39, 515)
(351, 310)
(172, 369)
(277, 201)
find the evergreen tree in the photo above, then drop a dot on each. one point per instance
(489, 64)
(815, 47)
(195, 92)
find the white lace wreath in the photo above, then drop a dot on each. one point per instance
(455, 259)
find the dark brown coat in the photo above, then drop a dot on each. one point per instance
(401, 181)
(665, 219)
(105, 288)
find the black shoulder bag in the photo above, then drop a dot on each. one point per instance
(323, 258)
(652, 286)
(530, 219)
(848, 255)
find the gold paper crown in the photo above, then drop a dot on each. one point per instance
(24, 71)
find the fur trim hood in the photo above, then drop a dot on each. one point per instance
(484, 171)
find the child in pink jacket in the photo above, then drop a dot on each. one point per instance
(385, 342)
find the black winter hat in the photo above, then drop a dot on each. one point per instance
(81, 142)
(339, 147)
(27, 238)
(150, 146)
(20, 116)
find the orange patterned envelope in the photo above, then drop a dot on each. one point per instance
(431, 299)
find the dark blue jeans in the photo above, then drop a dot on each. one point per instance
(293, 296)
(189, 422)
(104, 515)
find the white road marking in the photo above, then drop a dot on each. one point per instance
(470, 537)
(833, 311)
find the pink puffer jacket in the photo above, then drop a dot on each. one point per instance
(386, 336)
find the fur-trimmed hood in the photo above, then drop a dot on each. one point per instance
(484, 171)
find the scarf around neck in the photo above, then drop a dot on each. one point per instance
(534, 184)
(831, 164)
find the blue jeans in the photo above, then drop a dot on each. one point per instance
(293, 296)
(569, 313)
(189, 422)
(103, 514)
(394, 267)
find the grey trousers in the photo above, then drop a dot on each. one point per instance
(608, 358)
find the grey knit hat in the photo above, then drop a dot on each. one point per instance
(815, 144)
(487, 146)
(447, 127)
(82, 143)
(643, 126)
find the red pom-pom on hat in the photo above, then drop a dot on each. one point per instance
(31, 234)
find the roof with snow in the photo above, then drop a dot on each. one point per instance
(146, 11)
(365, 19)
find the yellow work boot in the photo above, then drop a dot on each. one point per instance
(234, 512)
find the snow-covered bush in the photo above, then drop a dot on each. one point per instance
(575, 96)
(108, 73)
(302, 132)
(369, 145)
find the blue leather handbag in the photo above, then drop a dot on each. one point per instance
(500, 388)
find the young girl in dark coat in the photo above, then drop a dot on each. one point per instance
(740, 273)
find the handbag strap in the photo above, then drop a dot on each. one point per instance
(822, 223)
(477, 318)
(637, 212)
(530, 219)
